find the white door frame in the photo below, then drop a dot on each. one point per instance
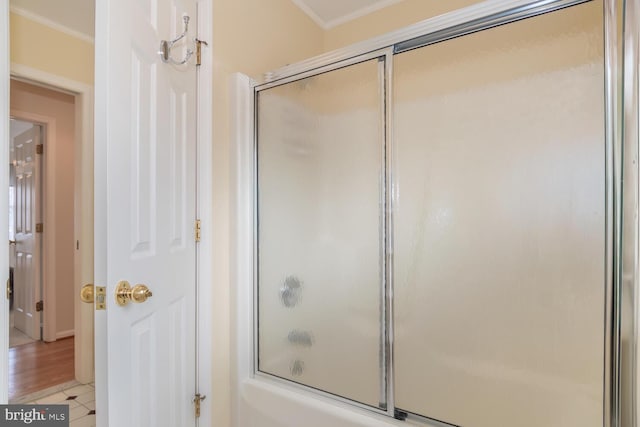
(204, 296)
(204, 351)
(83, 229)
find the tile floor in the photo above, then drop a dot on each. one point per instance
(81, 401)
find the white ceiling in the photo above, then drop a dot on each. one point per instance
(74, 15)
(330, 13)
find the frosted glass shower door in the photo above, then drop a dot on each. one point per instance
(499, 255)
(319, 147)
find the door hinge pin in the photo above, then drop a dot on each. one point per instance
(198, 230)
(197, 399)
(39, 149)
(40, 305)
(199, 44)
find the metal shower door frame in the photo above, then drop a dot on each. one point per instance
(622, 136)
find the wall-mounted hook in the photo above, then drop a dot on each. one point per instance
(167, 45)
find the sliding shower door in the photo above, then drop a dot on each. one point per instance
(499, 225)
(320, 181)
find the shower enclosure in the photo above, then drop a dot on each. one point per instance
(441, 228)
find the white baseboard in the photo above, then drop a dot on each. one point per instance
(65, 334)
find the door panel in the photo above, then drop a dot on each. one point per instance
(143, 150)
(27, 283)
(150, 182)
(179, 169)
(500, 225)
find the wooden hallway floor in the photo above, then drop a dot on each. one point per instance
(39, 365)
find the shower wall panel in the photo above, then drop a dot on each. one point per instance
(499, 225)
(320, 162)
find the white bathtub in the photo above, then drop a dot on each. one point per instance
(265, 403)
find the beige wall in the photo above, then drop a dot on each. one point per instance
(251, 37)
(58, 106)
(43, 48)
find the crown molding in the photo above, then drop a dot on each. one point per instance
(327, 25)
(359, 13)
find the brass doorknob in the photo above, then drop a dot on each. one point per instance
(87, 294)
(137, 294)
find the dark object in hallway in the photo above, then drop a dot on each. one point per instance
(10, 288)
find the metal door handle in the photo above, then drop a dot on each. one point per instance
(125, 293)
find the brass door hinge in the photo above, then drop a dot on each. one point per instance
(40, 305)
(9, 289)
(199, 44)
(197, 399)
(39, 149)
(198, 230)
(39, 227)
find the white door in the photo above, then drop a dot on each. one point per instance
(145, 209)
(26, 275)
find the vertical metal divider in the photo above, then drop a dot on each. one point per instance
(631, 197)
(389, 197)
(613, 180)
(383, 233)
(256, 352)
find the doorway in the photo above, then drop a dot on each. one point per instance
(42, 222)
